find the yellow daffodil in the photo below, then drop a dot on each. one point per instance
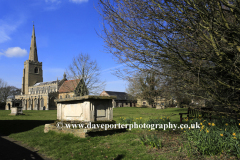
(221, 134)
(200, 123)
(234, 134)
(234, 138)
(213, 124)
(209, 124)
(226, 124)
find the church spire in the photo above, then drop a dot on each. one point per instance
(33, 48)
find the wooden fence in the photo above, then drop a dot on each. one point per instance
(210, 113)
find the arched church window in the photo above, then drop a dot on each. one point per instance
(35, 70)
(60, 97)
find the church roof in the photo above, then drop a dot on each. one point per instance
(45, 83)
(68, 86)
(120, 95)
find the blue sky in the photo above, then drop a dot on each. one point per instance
(63, 28)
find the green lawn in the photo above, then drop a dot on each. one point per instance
(28, 128)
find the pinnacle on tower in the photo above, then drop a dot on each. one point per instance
(33, 48)
(64, 76)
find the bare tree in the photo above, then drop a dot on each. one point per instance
(199, 40)
(7, 91)
(3, 86)
(88, 73)
(145, 86)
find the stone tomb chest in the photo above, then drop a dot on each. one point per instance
(16, 111)
(15, 105)
(85, 108)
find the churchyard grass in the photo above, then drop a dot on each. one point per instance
(134, 144)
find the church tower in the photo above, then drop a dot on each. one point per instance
(32, 72)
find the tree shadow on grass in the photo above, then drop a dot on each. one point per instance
(180, 110)
(8, 127)
(119, 157)
(105, 133)
(13, 151)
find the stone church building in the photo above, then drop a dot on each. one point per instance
(36, 94)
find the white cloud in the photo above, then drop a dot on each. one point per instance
(52, 5)
(3, 35)
(14, 52)
(53, 1)
(78, 1)
(9, 25)
(5, 30)
(110, 69)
